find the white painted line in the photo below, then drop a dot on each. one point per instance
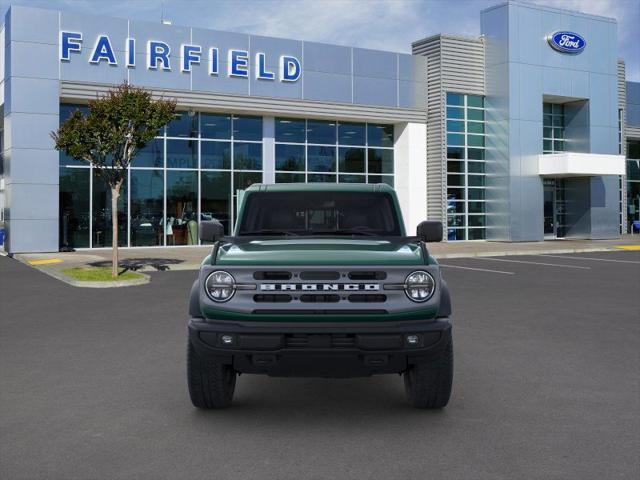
(591, 258)
(532, 263)
(477, 269)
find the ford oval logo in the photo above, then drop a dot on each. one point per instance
(567, 42)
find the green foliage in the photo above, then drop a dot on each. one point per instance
(117, 126)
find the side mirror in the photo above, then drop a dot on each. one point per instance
(210, 231)
(430, 231)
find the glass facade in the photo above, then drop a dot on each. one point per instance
(552, 128)
(633, 185)
(465, 122)
(330, 151)
(190, 171)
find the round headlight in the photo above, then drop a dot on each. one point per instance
(220, 286)
(419, 286)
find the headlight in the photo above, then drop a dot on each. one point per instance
(419, 286)
(220, 286)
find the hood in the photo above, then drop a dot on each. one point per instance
(321, 251)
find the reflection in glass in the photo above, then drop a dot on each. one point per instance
(379, 135)
(247, 156)
(455, 98)
(351, 133)
(151, 155)
(290, 157)
(243, 180)
(380, 161)
(182, 208)
(74, 208)
(352, 179)
(66, 109)
(320, 131)
(388, 179)
(215, 190)
(315, 178)
(101, 215)
(182, 154)
(351, 160)
(247, 128)
(290, 178)
(321, 159)
(290, 130)
(215, 126)
(215, 155)
(184, 124)
(146, 207)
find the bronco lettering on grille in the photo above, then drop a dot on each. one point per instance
(323, 287)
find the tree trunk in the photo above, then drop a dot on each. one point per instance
(115, 193)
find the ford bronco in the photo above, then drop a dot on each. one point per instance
(319, 280)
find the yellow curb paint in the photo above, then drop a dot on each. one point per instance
(628, 247)
(47, 261)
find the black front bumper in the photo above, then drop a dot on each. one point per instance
(319, 349)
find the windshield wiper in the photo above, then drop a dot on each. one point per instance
(269, 231)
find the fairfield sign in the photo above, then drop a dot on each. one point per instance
(159, 56)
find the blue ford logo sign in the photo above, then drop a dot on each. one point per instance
(567, 42)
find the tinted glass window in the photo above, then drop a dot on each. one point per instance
(184, 124)
(319, 131)
(319, 213)
(216, 155)
(321, 159)
(74, 207)
(455, 99)
(290, 157)
(147, 188)
(182, 153)
(290, 130)
(247, 156)
(215, 126)
(215, 191)
(351, 160)
(351, 133)
(182, 208)
(151, 155)
(380, 135)
(101, 215)
(247, 128)
(380, 161)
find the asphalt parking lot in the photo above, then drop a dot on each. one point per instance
(547, 385)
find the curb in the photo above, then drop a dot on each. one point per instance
(85, 284)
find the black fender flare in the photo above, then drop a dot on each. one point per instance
(445, 301)
(194, 300)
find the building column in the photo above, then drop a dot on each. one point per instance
(31, 113)
(410, 168)
(268, 150)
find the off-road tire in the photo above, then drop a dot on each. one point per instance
(428, 384)
(211, 384)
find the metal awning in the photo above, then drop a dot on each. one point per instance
(574, 164)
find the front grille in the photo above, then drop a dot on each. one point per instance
(363, 298)
(366, 275)
(319, 311)
(319, 298)
(272, 298)
(320, 341)
(272, 275)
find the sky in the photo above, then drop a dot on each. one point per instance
(378, 24)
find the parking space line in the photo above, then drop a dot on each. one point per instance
(477, 269)
(532, 263)
(591, 258)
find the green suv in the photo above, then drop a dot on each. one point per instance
(319, 280)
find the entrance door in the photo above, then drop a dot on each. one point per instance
(554, 208)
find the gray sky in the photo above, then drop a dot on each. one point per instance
(379, 24)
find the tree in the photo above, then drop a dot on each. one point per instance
(117, 126)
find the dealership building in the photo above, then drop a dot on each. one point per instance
(525, 133)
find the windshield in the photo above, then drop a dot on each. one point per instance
(319, 213)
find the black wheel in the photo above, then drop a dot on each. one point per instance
(428, 384)
(211, 384)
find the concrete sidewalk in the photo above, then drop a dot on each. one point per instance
(189, 258)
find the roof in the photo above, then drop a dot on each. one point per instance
(320, 187)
